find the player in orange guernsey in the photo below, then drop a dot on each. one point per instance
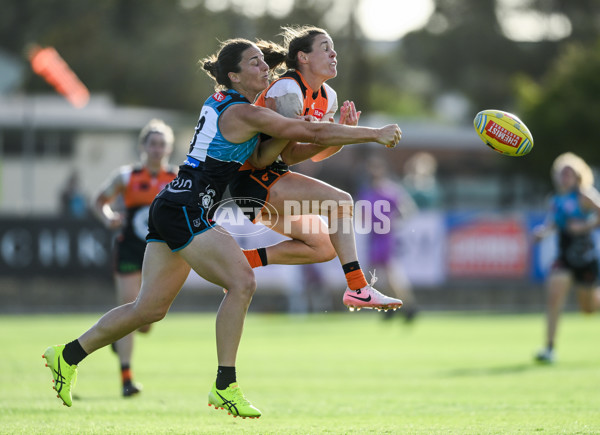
(302, 92)
(134, 186)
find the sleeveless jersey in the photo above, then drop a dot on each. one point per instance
(316, 103)
(575, 249)
(566, 207)
(211, 160)
(141, 186)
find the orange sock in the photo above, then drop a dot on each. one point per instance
(126, 375)
(253, 257)
(356, 279)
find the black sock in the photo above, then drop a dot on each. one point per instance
(225, 376)
(262, 253)
(349, 267)
(73, 353)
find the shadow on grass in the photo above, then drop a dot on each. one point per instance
(493, 371)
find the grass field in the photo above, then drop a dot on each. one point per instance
(339, 373)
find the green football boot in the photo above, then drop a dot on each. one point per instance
(232, 399)
(64, 375)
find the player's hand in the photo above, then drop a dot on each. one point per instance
(348, 113)
(114, 222)
(538, 233)
(578, 227)
(390, 135)
(308, 118)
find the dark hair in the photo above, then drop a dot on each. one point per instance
(299, 38)
(275, 55)
(230, 55)
(226, 60)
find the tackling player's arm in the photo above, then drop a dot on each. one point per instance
(266, 152)
(260, 119)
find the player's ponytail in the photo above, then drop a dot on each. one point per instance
(225, 61)
(275, 55)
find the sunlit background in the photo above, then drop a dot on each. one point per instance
(428, 65)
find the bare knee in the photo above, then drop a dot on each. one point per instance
(342, 196)
(144, 329)
(244, 285)
(147, 315)
(324, 250)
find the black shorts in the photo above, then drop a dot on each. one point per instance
(585, 274)
(176, 224)
(251, 187)
(129, 255)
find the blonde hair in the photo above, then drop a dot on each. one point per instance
(578, 165)
(157, 126)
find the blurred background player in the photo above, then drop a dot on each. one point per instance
(133, 187)
(73, 202)
(311, 61)
(390, 205)
(420, 180)
(574, 213)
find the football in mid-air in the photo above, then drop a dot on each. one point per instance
(503, 132)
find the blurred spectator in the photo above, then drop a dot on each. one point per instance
(73, 202)
(574, 213)
(420, 180)
(390, 204)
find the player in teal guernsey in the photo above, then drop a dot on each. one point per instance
(182, 235)
(575, 213)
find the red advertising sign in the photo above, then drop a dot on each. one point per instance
(488, 248)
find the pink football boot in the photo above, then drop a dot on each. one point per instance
(368, 297)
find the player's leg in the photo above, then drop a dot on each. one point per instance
(557, 288)
(295, 195)
(226, 267)
(299, 194)
(586, 298)
(309, 242)
(587, 291)
(128, 287)
(163, 275)
(401, 287)
(391, 275)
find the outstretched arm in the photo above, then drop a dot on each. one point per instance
(298, 152)
(244, 119)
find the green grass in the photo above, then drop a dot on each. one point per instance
(339, 373)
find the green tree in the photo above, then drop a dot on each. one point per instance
(562, 109)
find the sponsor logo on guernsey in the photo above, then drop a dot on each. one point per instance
(319, 114)
(179, 185)
(219, 96)
(502, 135)
(189, 161)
